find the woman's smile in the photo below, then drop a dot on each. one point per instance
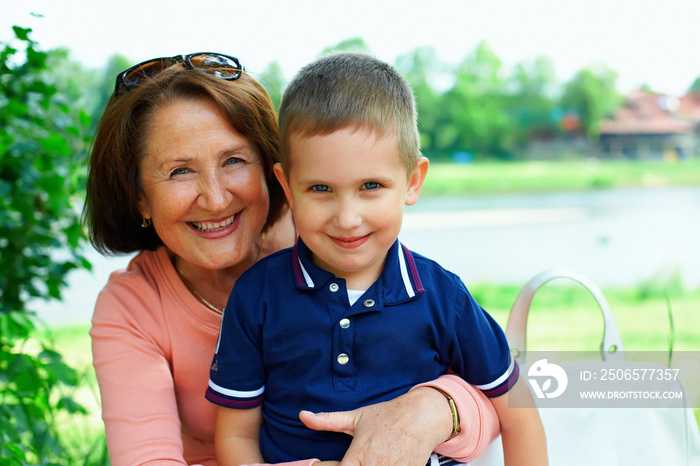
(210, 226)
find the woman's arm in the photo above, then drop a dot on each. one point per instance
(479, 422)
(406, 430)
(136, 387)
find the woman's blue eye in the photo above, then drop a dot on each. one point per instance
(233, 160)
(320, 188)
(370, 185)
(179, 171)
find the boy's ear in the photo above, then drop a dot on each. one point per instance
(279, 174)
(415, 182)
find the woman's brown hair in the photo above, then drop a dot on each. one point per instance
(111, 212)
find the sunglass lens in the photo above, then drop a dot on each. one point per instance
(220, 66)
(145, 70)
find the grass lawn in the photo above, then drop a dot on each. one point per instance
(522, 176)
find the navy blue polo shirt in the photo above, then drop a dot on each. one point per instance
(289, 335)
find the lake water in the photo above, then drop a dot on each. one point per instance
(612, 237)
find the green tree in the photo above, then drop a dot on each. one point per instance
(355, 44)
(43, 144)
(422, 69)
(531, 90)
(274, 82)
(473, 116)
(592, 96)
(103, 83)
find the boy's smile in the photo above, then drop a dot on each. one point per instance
(347, 190)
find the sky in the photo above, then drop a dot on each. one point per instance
(656, 43)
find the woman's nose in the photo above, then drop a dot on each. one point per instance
(214, 194)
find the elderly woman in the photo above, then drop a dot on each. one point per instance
(181, 172)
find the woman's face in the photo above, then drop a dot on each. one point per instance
(203, 186)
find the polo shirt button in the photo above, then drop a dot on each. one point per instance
(369, 303)
(343, 359)
(334, 287)
(344, 323)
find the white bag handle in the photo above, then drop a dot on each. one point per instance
(611, 347)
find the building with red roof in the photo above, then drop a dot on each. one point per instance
(650, 125)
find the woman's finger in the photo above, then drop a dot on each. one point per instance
(403, 431)
(342, 421)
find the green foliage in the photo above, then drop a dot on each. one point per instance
(473, 117)
(104, 87)
(422, 68)
(355, 44)
(43, 145)
(33, 383)
(592, 96)
(478, 109)
(272, 80)
(488, 114)
(531, 101)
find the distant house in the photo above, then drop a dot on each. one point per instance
(650, 125)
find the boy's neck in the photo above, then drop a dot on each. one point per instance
(356, 280)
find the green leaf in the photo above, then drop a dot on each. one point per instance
(85, 118)
(22, 33)
(71, 406)
(55, 144)
(23, 373)
(16, 108)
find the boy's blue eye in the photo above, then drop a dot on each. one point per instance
(370, 185)
(320, 188)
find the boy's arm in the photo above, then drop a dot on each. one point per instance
(522, 433)
(237, 436)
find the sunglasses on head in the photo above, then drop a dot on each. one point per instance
(214, 64)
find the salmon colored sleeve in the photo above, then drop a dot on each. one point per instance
(137, 393)
(477, 417)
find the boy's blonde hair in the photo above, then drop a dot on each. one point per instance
(344, 89)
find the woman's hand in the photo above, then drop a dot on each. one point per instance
(403, 431)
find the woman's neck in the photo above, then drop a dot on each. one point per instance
(210, 286)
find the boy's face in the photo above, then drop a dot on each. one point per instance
(347, 190)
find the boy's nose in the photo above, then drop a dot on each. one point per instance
(348, 215)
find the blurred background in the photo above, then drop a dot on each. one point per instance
(560, 134)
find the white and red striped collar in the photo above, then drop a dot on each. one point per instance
(400, 279)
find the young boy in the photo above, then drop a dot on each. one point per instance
(349, 316)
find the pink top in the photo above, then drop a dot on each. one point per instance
(152, 344)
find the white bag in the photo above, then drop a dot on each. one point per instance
(630, 436)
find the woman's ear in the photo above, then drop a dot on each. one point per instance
(144, 208)
(279, 173)
(415, 182)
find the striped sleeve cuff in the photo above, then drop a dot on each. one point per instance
(502, 384)
(234, 398)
